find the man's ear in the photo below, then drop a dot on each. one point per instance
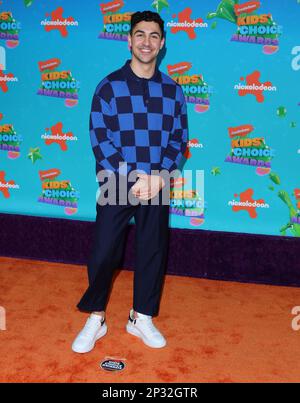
(129, 41)
(162, 43)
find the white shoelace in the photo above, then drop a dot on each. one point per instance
(149, 324)
(90, 325)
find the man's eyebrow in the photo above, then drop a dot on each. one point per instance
(143, 32)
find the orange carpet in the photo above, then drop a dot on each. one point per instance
(216, 331)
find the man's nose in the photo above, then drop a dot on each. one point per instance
(147, 40)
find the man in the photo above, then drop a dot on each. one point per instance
(138, 122)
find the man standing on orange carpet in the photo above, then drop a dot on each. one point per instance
(138, 124)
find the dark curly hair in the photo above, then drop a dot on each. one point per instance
(146, 16)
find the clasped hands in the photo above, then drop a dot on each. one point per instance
(147, 186)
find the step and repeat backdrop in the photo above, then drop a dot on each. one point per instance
(239, 67)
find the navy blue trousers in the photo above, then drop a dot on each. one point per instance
(151, 244)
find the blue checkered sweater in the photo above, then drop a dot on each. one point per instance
(142, 122)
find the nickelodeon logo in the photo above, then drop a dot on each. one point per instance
(254, 86)
(186, 24)
(58, 22)
(57, 136)
(6, 186)
(247, 203)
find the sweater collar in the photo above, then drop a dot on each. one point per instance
(130, 75)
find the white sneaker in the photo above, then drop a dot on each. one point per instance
(143, 328)
(93, 330)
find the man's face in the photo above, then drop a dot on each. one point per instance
(146, 41)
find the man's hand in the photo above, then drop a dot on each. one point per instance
(147, 186)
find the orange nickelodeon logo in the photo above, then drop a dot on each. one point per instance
(6, 185)
(111, 7)
(179, 68)
(49, 174)
(49, 64)
(186, 24)
(246, 8)
(57, 136)
(240, 131)
(58, 22)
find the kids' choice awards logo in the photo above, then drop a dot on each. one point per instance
(116, 24)
(183, 22)
(253, 26)
(9, 140)
(58, 192)
(186, 201)
(7, 186)
(9, 29)
(251, 151)
(112, 365)
(245, 202)
(254, 86)
(58, 22)
(59, 84)
(195, 89)
(55, 134)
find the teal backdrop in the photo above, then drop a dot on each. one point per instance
(239, 66)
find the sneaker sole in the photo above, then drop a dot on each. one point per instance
(101, 334)
(135, 332)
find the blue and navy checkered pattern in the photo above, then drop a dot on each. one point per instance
(139, 121)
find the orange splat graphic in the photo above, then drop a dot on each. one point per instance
(188, 153)
(5, 191)
(3, 84)
(247, 197)
(253, 79)
(57, 15)
(185, 16)
(57, 130)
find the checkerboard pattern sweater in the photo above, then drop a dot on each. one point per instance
(137, 121)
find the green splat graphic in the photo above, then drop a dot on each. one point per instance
(160, 5)
(216, 171)
(281, 112)
(225, 10)
(274, 178)
(294, 228)
(271, 187)
(293, 124)
(28, 3)
(34, 154)
(214, 25)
